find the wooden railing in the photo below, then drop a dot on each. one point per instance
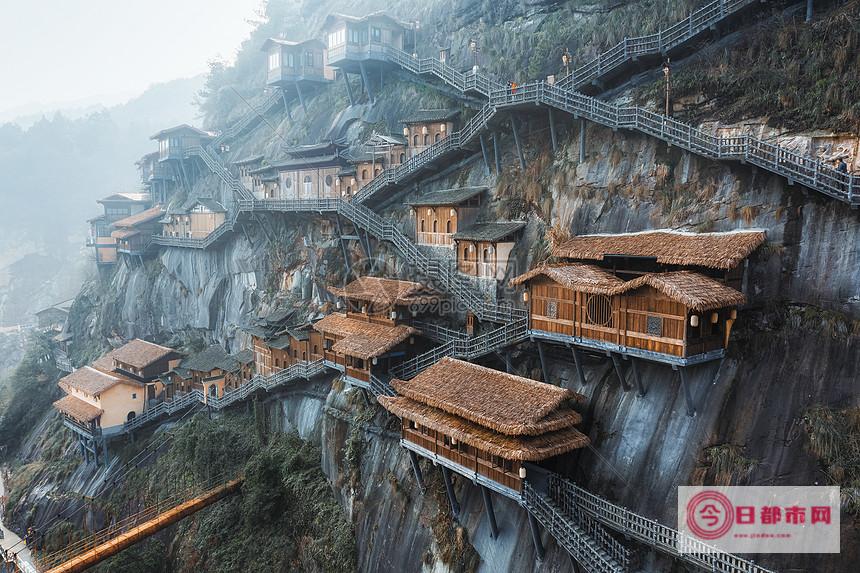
(434, 239)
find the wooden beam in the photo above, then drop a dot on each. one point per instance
(491, 515)
(301, 97)
(582, 141)
(636, 377)
(449, 489)
(535, 529)
(577, 359)
(416, 469)
(543, 362)
(366, 79)
(497, 153)
(348, 87)
(517, 143)
(485, 154)
(616, 362)
(552, 134)
(286, 105)
(685, 388)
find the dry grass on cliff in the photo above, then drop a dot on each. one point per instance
(834, 438)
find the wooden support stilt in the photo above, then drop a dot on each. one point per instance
(636, 377)
(543, 367)
(491, 515)
(509, 367)
(485, 154)
(449, 489)
(301, 97)
(535, 529)
(517, 143)
(577, 359)
(582, 141)
(366, 399)
(616, 362)
(809, 10)
(343, 245)
(552, 134)
(366, 79)
(497, 153)
(286, 105)
(413, 457)
(348, 87)
(685, 388)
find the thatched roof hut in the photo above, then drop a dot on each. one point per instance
(382, 293)
(691, 289)
(712, 250)
(503, 414)
(360, 338)
(581, 277)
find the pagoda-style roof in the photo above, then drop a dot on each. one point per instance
(381, 140)
(500, 401)
(313, 42)
(691, 289)
(209, 359)
(490, 232)
(94, 382)
(140, 353)
(713, 250)
(430, 116)
(182, 129)
(301, 162)
(360, 338)
(386, 293)
(447, 197)
(503, 414)
(329, 147)
(78, 409)
(145, 216)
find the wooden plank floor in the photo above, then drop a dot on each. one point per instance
(112, 547)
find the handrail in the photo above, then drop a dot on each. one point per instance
(659, 43)
(649, 531)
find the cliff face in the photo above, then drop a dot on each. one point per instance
(795, 346)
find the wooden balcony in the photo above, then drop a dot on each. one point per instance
(435, 239)
(475, 269)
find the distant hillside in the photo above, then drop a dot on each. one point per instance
(55, 170)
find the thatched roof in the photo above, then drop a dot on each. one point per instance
(583, 278)
(384, 293)
(140, 353)
(362, 339)
(78, 409)
(503, 402)
(522, 448)
(93, 382)
(712, 250)
(690, 289)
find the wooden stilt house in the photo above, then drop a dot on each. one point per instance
(484, 249)
(485, 424)
(441, 214)
(386, 301)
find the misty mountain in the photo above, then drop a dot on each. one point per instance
(55, 170)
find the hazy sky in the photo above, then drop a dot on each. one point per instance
(70, 51)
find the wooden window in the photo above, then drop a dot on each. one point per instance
(448, 226)
(415, 140)
(438, 137)
(426, 139)
(402, 157)
(655, 325)
(364, 173)
(598, 308)
(308, 184)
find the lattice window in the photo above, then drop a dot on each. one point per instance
(598, 309)
(552, 309)
(655, 325)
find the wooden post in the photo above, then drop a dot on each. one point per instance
(552, 134)
(413, 458)
(348, 87)
(366, 79)
(497, 153)
(543, 363)
(685, 387)
(582, 140)
(509, 367)
(809, 4)
(577, 359)
(535, 529)
(517, 143)
(617, 364)
(636, 377)
(301, 97)
(449, 489)
(491, 515)
(486, 154)
(286, 105)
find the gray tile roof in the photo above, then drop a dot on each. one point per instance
(210, 358)
(447, 196)
(494, 231)
(431, 115)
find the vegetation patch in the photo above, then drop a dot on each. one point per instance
(834, 438)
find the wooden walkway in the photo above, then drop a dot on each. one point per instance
(108, 543)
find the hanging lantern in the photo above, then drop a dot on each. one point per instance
(429, 211)
(715, 317)
(453, 441)
(364, 308)
(352, 181)
(374, 361)
(694, 320)
(443, 127)
(338, 182)
(525, 296)
(734, 314)
(522, 472)
(406, 132)
(453, 212)
(393, 315)
(424, 130)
